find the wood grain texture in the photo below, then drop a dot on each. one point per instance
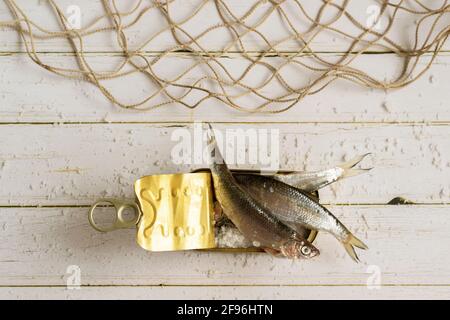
(275, 29)
(63, 145)
(77, 164)
(40, 243)
(230, 292)
(35, 95)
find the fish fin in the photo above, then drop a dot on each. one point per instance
(348, 167)
(301, 231)
(351, 241)
(353, 162)
(218, 212)
(354, 172)
(314, 195)
(212, 147)
(211, 138)
(351, 251)
(273, 252)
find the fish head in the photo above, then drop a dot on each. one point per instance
(299, 249)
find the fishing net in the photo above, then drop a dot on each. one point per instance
(252, 55)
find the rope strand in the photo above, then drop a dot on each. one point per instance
(267, 64)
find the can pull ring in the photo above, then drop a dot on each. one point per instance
(120, 222)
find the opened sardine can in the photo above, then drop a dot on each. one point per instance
(175, 211)
(171, 212)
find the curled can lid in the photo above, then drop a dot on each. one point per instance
(177, 212)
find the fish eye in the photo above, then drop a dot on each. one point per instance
(306, 250)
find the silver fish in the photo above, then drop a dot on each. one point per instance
(315, 180)
(253, 219)
(307, 181)
(298, 208)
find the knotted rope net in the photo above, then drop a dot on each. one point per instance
(252, 55)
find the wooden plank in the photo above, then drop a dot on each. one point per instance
(275, 29)
(228, 293)
(408, 246)
(77, 164)
(66, 166)
(36, 95)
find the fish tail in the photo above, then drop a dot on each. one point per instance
(351, 241)
(348, 167)
(214, 152)
(211, 138)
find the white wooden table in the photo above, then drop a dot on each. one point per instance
(63, 145)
